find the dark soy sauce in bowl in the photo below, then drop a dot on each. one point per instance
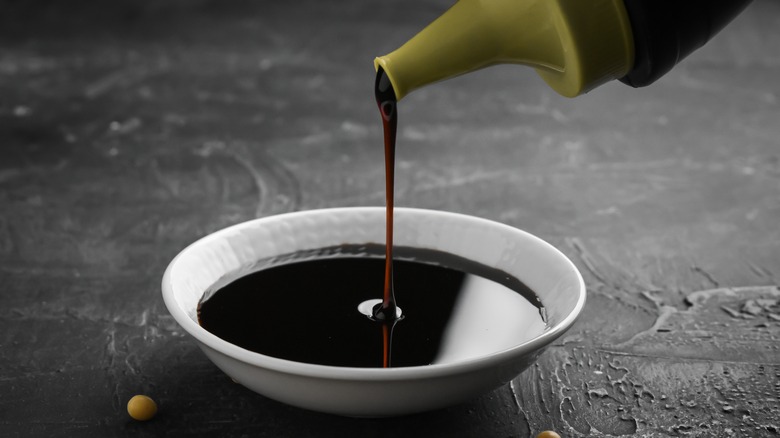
(307, 310)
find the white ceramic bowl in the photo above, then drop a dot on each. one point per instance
(219, 258)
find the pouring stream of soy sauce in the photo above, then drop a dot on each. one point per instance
(386, 311)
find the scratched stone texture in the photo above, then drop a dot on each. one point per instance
(128, 129)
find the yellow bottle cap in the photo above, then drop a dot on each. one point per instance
(574, 45)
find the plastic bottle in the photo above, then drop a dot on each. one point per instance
(574, 45)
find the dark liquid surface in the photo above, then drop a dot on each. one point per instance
(307, 311)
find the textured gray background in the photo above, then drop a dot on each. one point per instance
(130, 128)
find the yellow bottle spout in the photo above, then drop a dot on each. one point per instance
(574, 45)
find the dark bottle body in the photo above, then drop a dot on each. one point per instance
(666, 31)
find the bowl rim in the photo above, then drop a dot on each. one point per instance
(285, 366)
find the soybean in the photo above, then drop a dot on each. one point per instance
(141, 408)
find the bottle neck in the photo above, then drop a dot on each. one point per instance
(574, 45)
(472, 35)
